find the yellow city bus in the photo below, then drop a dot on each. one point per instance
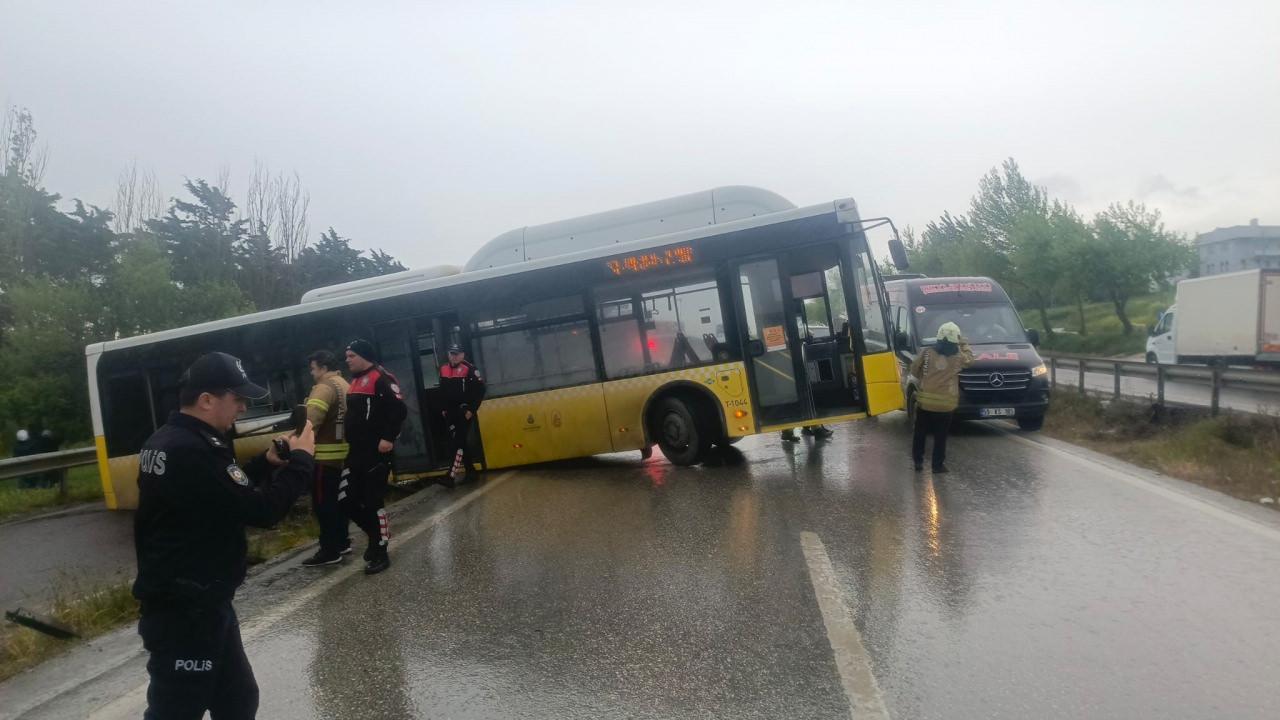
(683, 323)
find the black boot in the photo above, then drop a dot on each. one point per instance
(379, 560)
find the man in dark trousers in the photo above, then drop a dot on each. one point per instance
(326, 409)
(462, 391)
(194, 502)
(375, 411)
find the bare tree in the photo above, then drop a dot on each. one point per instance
(138, 199)
(292, 202)
(260, 207)
(224, 180)
(20, 155)
(276, 207)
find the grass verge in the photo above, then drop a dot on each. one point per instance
(1104, 333)
(87, 611)
(93, 611)
(83, 485)
(1234, 453)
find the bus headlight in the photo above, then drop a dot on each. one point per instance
(1039, 371)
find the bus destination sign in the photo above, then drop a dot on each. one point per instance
(633, 264)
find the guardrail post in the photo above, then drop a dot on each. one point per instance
(1213, 396)
(1116, 377)
(1160, 384)
(1080, 374)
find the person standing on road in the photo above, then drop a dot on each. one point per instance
(375, 411)
(937, 369)
(326, 409)
(462, 389)
(25, 446)
(194, 502)
(49, 442)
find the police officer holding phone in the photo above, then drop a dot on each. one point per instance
(194, 503)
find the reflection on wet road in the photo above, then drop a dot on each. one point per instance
(1026, 583)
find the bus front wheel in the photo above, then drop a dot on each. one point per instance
(682, 439)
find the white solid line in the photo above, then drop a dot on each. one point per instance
(852, 660)
(1240, 521)
(132, 703)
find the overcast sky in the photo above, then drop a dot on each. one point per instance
(428, 128)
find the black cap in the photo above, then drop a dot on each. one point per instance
(219, 372)
(364, 349)
(455, 348)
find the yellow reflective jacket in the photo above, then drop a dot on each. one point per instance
(326, 406)
(939, 377)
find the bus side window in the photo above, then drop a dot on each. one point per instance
(870, 311)
(682, 326)
(127, 422)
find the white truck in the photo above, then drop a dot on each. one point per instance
(1228, 319)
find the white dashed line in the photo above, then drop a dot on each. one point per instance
(852, 661)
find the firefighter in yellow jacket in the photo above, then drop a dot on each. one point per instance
(937, 370)
(326, 406)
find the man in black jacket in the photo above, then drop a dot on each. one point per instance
(375, 412)
(462, 390)
(194, 502)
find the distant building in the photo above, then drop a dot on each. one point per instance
(1243, 247)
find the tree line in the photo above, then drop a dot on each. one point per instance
(89, 274)
(1046, 254)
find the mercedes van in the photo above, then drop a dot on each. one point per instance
(1007, 380)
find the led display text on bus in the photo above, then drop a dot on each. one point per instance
(633, 264)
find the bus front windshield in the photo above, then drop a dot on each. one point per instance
(983, 324)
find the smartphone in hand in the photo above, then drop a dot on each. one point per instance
(298, 419)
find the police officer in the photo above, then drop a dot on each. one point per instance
(326, 409)
(462, 390)
(194, 503)
(375, 412)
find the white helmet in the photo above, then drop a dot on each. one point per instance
(950, 332)
(23, 436)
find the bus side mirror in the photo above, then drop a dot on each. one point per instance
(755, 348)
(899, 254)
(1034, 336)
(1151, 330)
(901, 340)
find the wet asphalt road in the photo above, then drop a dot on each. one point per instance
(1021, 585)
(85, 548)
(1026, 583)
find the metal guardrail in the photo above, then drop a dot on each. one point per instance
(44, 462)
(1216, 378)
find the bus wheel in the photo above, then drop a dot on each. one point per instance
(679, 434)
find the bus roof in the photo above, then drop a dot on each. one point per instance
(844, 207)
(613, 227)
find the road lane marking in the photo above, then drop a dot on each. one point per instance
(132, 703)
(852, 660)
(1240, 521)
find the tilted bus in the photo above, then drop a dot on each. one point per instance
(681, 323)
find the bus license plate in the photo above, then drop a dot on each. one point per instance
(996, 412)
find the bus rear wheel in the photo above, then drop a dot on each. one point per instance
(683, 439)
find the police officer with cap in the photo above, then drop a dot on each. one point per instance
(462, 390)
(194, 502)
(375, 412)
